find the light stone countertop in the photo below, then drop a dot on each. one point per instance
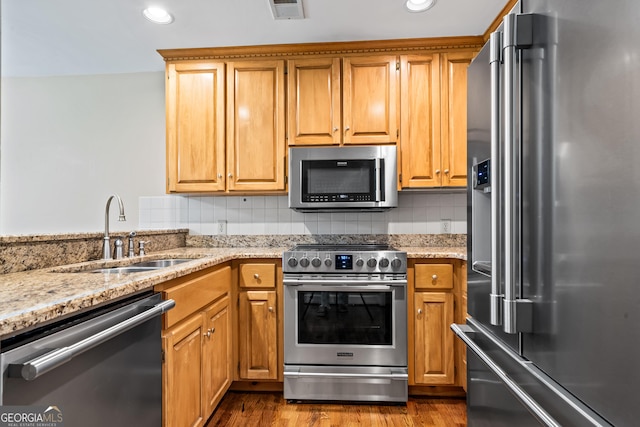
(34, 298)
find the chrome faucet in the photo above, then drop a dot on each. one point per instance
(106, 247)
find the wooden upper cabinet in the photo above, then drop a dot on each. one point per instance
(420, 120)
(195, 126)
(228, 124)
(370, 99)
(314, 101)
(454, 118)
(256, 144)
(434, 119)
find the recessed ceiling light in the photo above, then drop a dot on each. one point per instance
(419, 5)
(157, 15)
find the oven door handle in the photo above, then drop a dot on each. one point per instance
(353, 283)
(399, 376)
(32, 369)
(345, 288)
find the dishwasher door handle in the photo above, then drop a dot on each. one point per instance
(33, 368)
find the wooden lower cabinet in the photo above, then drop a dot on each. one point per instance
(259, 323)
(181, 374)
(197, 346)
(434, 354)
(257, 336)
(434, 289)
(216, 363)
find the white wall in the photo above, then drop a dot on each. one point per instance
(69, 142)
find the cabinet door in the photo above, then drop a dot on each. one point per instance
(256, 144)
(420, 121)
(434, 354)
(370, 100)
(314, 101)
(257, 322)
(182, 373)
(195, 127)
(216, 350)
(454, 118)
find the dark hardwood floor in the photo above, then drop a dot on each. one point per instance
(270, 409)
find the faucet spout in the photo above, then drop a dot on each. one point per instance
(106, 246)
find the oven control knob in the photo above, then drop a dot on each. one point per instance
(396, 263)
(304, 262)
(359, 262)
(316, 262)
(328, 262)
(292, 262)
(372, 262)
(384, 263)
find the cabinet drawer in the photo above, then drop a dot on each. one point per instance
(195, 294)
(434, 276)
(257, 275)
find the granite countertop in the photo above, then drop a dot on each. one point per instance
(35, 297)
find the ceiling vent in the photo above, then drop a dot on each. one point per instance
(286, 9)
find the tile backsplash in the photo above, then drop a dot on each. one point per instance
(417, 213)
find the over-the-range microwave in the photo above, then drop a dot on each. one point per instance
(343, 179)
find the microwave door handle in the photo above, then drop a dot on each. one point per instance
(379, 180)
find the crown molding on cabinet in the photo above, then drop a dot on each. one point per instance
(329, 48)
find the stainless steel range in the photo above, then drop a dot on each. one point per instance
(345, 333)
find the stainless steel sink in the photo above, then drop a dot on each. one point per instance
(139, 267)
(119, 270)
(160, 263)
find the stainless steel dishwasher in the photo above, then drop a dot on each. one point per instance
(101, 368)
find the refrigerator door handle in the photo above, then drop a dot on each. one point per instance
(518, 34)
(464, 332)
(510, 236)
(497, 196)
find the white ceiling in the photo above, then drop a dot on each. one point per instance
(62, 37)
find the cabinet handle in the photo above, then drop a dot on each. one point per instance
(208, 334)
(419, 311)
(219, 176)
(335, 129)
(230, 175)
(270, 309)
(434, 277)
(446, 171)
(437, 171)
(347, 129)
(256, 276)
(213, 330)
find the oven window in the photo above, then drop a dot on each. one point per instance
(345, 318)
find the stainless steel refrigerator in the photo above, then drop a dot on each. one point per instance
(553, 335)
